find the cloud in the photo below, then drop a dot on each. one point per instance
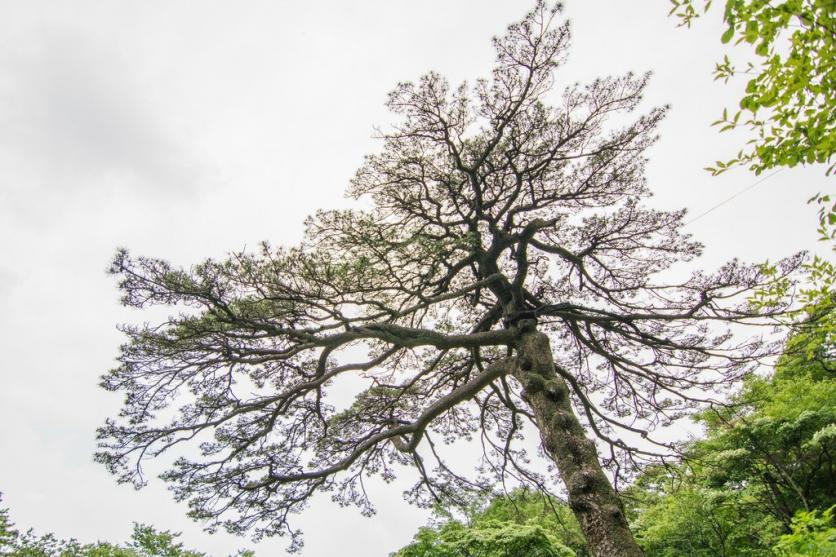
(73, 116)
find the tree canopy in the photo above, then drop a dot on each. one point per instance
(145, 541)
(520, 524)
(761, 482)
(504, 273)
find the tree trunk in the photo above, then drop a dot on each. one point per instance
(591, 496)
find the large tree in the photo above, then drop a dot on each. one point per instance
(502, 272)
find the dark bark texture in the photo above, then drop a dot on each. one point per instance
(591, 496)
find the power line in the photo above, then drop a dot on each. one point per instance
(738, 194)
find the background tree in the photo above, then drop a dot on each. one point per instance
(813, 535)
(8, 534)
(788, 104)
(504, 271)
(767, 462)
(520, 524)
(145, 541)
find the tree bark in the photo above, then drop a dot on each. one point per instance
(591, 496)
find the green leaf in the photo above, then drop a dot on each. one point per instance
(751, 33)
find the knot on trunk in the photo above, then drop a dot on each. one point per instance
(554, 391)
(615, 512)
(527, 325)
(582, 482)
(578, 445)
(532, 383)
(524, 321)
(579, 505)
(561, 421)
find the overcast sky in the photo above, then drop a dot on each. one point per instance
(189, 129)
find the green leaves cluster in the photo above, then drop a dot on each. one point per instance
(762, 480)
(692, 519)
(827, 216)
(145, 541)
(814, 323)
(788, 104)
(522, 524)
(490, 539)
(813, 535)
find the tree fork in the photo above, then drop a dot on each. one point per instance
(591, 496)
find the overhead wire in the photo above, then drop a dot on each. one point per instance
(738, 194)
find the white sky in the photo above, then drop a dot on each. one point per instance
(189, 129)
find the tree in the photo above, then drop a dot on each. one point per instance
(788, 104)
(767, 462)
(812, 536)
(678, 515)
(8, 534)
(520, 524)
(488, 539)
(501, 229)
(146, 541)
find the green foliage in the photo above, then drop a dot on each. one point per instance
(695, 520)
(490, 539)
(145, 541)
(520, 525)
(813, 323)
(827, 216)
(788, 104)
(813, 535)
(752, 485)
(8, 534)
